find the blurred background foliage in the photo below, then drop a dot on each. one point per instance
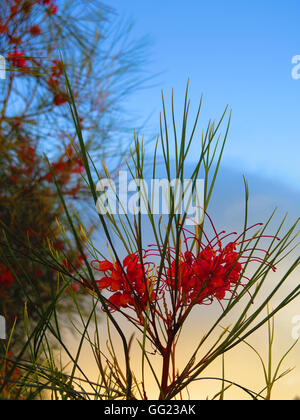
(104, 66)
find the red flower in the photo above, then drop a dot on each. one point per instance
(209, 275)
(27, 155)
(199, 278)
(131, 286)
(53, 83)
(3, 29)
(6, 277)
(120, 300)
(79, 168)
(17, 59)
(60, 99)
(53, 9)
(57, 69)
(104, 283)
(213, 272)
(35, 30)
(105, 266)
(14, 179)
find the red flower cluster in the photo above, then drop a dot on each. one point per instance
(6, 277)
(27, 156)
(131, 287)
(52, 8)
(64, 168)
(60, 99)
(19, 7)
(208, 275)
(194, 277)
(17, 58)
(26, 164)
(67, 165)
(35, 30)
(10, 27)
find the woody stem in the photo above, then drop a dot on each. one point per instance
(166, 366)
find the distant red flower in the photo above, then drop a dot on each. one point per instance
(17, 59)
(14, 179)
(15, 40)
(27, 6)
(53, 83)
(59, 245)
(6, 277)
(27, 155)
(3, 29)
(53, 9)
(35, 30)
(57, 68)
(60, 99)
(79, 168)
(51, 6)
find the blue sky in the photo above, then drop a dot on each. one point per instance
(234, 52)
